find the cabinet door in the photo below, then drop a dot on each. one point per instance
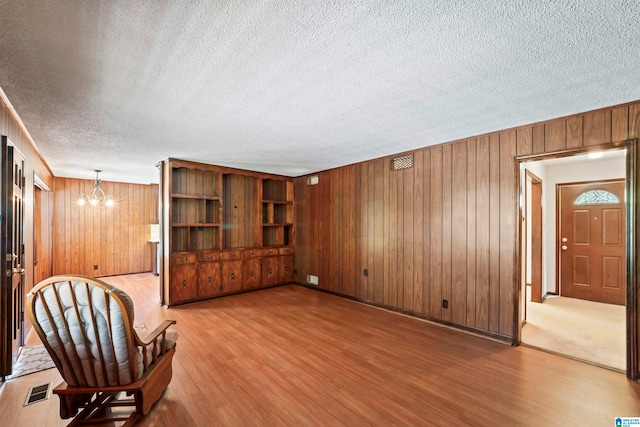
(209, 279)
(231, 276)
(251, 273)
(285, 269)
(184, 283)
(269, 271)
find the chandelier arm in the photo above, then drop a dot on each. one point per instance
(96, 195)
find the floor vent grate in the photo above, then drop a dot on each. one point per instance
(38, 393)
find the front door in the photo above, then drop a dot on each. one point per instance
(591, 244)
(12, 255)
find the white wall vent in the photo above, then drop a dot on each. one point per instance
(313, 180)
(404, 162)
(312, 280)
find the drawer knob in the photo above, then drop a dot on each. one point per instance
(209, 279)
(232, 276)
(251, 273)
(184, 283)
(270, 270)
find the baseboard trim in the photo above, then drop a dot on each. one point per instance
(503, 339)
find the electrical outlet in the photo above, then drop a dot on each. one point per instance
(445, 303)
(366, 272)
(95, 266)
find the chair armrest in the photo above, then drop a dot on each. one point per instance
(150, 347)
(153, 335)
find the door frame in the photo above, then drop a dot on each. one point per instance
(632, 184)
(536, 263)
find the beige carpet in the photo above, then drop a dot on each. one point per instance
(586, 330)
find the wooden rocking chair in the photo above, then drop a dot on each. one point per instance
(86, 326)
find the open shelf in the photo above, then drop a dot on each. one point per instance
(195, 182)
(277, 235)
(195, 211)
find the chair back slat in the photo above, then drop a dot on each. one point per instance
(96, 333)
(107, 304)
(71, 350)
(83, 335)
(59, 340)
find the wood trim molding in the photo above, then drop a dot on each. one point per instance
(574, 151)
(466, 329)
(16, 117)
(632, 178)
(38, 182)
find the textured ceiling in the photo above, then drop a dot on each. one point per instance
(293, 87)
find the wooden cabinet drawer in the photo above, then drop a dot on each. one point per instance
(286, 250)
(270, 251)
(208, 256)
(252, 253)
(181, 258)
(230, 255)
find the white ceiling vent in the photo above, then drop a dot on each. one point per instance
(404, 162)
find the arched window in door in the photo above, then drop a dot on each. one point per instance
(596, 197)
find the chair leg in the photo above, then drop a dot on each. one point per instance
(71, 403)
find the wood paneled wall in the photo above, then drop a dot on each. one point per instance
(444, 229)
(34, 165)
(114, 239)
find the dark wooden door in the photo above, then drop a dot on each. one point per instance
(591, 241)
(285, 269)
(209, 279)
(231, 276)
(269, 270)
(184, 282)
(251, 273)
(12, 255)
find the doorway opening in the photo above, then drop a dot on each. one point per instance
(42, 231)
(561, 311)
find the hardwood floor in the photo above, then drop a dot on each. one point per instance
(294, 356)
